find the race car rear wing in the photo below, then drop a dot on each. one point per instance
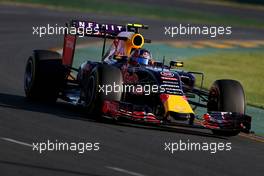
(94, 29)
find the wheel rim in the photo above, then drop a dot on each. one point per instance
(213, 100)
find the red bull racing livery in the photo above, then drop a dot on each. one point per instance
(128, 83)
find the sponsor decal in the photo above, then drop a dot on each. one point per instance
(97, 27)
(167, 74)
(179, 108)
(168, 78)
(169, 85)
(169, 82)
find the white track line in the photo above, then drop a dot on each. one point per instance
(124, 171)
(16, 142)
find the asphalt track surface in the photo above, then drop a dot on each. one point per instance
(124, 149)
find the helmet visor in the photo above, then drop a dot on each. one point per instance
(142, 61)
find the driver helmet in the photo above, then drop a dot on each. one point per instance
(141, 56)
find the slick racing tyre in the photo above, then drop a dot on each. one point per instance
(44, 76)
(226, 96)
(96, 84)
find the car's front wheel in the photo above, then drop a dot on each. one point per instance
(226, 96)
(99, 86)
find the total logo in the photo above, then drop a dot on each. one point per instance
(167, 74)
(179, 108)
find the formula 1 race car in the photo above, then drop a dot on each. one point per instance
(128, 83)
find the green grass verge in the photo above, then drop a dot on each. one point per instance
(246, 67)
(147, 11)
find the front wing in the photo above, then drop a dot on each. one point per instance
(225, 121)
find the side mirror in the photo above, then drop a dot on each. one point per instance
(176, 64)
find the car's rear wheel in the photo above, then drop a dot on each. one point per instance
(44, 76)
(226, 96)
